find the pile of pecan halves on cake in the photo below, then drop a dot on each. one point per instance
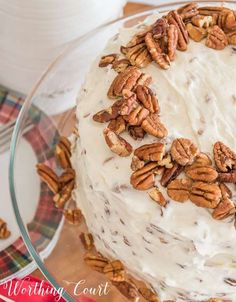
(136, 110)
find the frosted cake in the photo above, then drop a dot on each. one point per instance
(155, 160)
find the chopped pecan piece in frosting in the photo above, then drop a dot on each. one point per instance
(154, 49)
(148, 294)
(4, 232)
(107, 60)
(115, 271)
(158, 197)
(225, 158)
(188, 11)
(117, 144)
(201, 173)
(179, 189)
(206, 195)
(170, 174)
(183, 151)
(143, 179)
(225, 208)
(124, 80)
(152, 125)
(146, 96)
(216, 38)
(150, 152)
(48, 176)
(174, 18)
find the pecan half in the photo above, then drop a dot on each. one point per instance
(128, 289)
(227, 176)
(124, 80)
(146, 96)
(225, 158)
(136, 132)
(216, 38)
(205, 195)
(188, 11)
(117, 144)
(130, 102)
(227, 20)
(183, 151)
(202, 21)
(158, 197)
(172, 35)
(137, 116)
(64, 194)
(197, 34)
(145, 80)
(174, 18)
(63, 152)
(231, 36)
(67, 176)
(225, 191)
(159, 28)
(152, 125)
(73, 216)
(150, 152)
(107, 60)
(87, 241)
(136, 163)
(143, 179)
(170, 174)
(96, 262)
(4, 232)
(156, 53)
(148, 294)
(115, 271)
(138, 55)
(118, 125)
(108, 114)
(202, 159)
(224, 209)
(179, 189)
(48, 176)
(120, 65)
(201, 173)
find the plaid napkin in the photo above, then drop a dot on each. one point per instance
(47, 218)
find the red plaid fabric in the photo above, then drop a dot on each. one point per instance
(42, 136)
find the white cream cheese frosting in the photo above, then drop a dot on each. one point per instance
(180, 250)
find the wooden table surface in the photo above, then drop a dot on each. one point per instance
(66, 246)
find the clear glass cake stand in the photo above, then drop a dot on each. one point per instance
(54, 245)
